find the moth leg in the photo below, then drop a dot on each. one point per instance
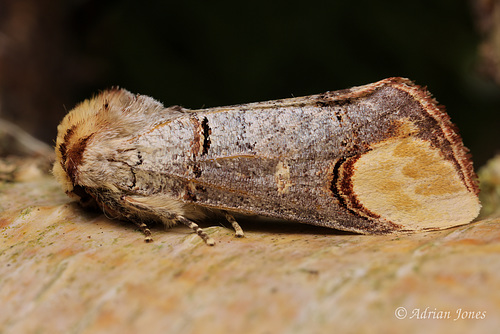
(145, 230)
(192, 225)
(237, 228)
(166, 210)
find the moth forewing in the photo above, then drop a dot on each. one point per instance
(372, 159)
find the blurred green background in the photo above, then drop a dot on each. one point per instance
(211, 53)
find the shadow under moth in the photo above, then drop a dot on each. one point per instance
(373, 159)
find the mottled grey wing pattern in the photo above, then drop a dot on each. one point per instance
(282, 158)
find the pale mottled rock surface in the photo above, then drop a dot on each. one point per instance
(69, 271)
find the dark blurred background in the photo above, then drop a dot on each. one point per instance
(55, 53)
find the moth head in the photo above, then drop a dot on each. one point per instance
(75, 133)
(90, 128)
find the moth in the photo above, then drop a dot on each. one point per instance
(373, 159)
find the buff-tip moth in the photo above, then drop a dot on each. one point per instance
(379, 158)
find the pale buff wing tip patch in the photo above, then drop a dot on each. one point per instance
(407, 182)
